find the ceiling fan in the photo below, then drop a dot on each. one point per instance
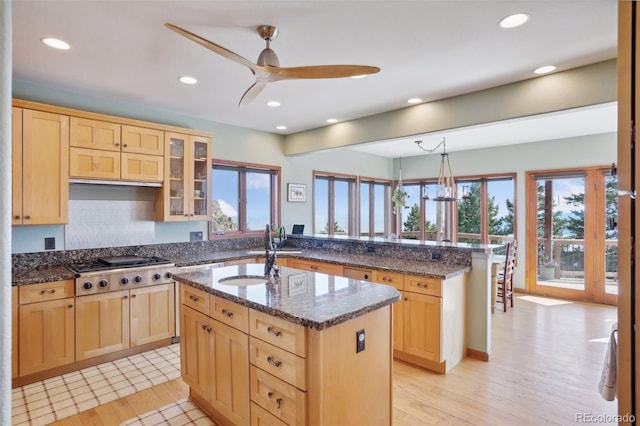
(267, 69)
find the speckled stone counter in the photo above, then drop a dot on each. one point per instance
(310, 299)
(41, 275)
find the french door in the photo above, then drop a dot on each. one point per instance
(572, 241)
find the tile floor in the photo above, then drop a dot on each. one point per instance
(53, 399)
(183, 412)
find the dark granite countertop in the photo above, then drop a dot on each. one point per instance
(42, 275)
(311, 299)
(415, 267)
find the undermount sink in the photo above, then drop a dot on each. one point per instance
(279, 251)
(243, 280)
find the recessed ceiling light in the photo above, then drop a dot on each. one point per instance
(273, 103)
(514, 20)
(55, 43)
(332, 120)
(359, 76)
(281, 127)
(414, 100)
(188, 80)
(544, 70)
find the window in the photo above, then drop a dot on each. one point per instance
(374, 207)
(244, 197)
(334, 204)
(487, 217)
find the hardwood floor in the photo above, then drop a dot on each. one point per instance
(544, 369)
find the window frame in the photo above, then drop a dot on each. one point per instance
(353, 201)
(484, 196)
(371, 182)
(243, 168)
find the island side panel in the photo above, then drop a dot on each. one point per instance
(346, 387)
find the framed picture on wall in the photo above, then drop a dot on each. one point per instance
(297, 193)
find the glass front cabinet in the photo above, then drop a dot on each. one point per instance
(187, 184)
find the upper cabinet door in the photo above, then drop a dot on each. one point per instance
(45, 165)
(16, 163)
(141, 140)
(200, 174)
(94, 134)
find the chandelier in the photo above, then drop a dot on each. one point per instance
(446, 189)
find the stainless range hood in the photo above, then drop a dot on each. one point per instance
(115, 182)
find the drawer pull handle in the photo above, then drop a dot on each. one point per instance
(423, 285)
(274, 331)
(226, 313)
(278, 400)
(204, 327)
(313, 267)
(50, 291)
(70, 306)
(366, 276)
(125, 297)
(274, 362)
(194, 298)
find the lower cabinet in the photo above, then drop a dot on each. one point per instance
(102, 324)
(215, 363)
(45, 326)
(111, 322)
(421, 326)
(14, 332)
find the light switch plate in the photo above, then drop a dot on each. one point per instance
(49, 243)
(195, 236)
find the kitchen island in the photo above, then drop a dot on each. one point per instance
(300, 348)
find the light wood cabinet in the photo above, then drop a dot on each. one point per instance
(422, 332)
(141, 140)
(186, 191)
(358, 273)
(94, 134)
(297, 375)
(106, 150)
(430, 322)
(14, 332)
(152, 313)
(102, 324)
(40, 167)
(316, 266)
(215, 358)
(45, 327)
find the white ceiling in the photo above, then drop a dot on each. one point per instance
(427, 49)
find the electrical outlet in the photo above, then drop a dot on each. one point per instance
(319, 243)
(195, 236)
(49, 243)
(360, 340)
(436, 256)
(371, 249)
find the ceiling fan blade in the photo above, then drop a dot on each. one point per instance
(252, 92)
(212, 46)
(321, 71)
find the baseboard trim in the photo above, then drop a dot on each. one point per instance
(474, 353)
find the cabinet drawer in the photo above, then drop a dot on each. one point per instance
(324, 268)
(424, 285)
(46, 291)
(229, 313)
(194, 298)
(358, 274)
(389, 278)
(280, 363)
(261, 417)
(283, 334)
(279, 398)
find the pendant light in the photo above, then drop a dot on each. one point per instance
(446, 189)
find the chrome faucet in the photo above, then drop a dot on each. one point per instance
(270, 254)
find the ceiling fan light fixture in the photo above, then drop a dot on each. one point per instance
(545, 69)
(514, 20)
(55, 43)
(414, 100)
(188, 79)
(273, 104)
